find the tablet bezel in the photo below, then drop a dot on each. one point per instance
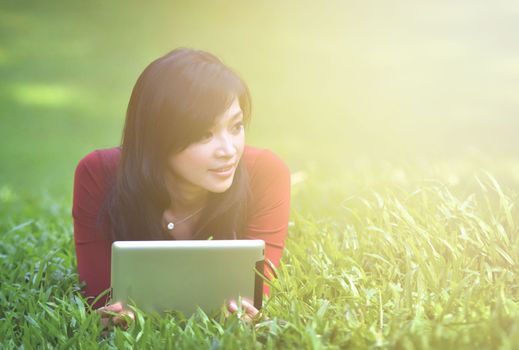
(245, 252)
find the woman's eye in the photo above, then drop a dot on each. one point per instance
(238, 126)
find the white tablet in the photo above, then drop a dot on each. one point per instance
(183, 275)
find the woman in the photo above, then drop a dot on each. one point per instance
(183, 171)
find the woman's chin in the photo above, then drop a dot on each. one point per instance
(220, 188)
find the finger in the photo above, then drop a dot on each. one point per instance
(104, 322)
(120, 322)
(131, 315)
(125, 315)
(232, 306)
(117, 307)
(124, 318)
(249, 308)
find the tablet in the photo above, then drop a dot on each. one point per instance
(183, 275)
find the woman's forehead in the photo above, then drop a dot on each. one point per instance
(233, 112)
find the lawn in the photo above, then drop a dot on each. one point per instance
(403, 230)
(416, 264)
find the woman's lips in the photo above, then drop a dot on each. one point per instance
(223, 172)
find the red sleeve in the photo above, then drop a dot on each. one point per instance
(93, 246)
(269, 210)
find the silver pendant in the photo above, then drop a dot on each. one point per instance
(171, 226)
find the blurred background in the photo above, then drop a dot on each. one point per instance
(332, 82)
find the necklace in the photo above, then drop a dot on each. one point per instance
(171, 225)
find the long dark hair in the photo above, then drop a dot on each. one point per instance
(174, 102)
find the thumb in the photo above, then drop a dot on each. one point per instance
(232, 307)
(249, 308)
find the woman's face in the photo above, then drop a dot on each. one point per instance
(210, 163)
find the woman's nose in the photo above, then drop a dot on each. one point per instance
(225, 146)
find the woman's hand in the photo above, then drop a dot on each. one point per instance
(250, 313)
(115, 314)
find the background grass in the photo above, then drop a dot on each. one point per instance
(398, 122)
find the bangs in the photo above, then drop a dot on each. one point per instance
(199, 94)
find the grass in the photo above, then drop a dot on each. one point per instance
(414, 265)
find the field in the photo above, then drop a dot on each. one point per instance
(417, 264)
(403, 230)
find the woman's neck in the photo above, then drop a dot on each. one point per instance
(186, 197)
(188, 201)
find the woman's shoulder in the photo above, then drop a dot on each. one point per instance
(98, 166)
(106, 156)
(259, 158)
(265, 167)
(94, 175)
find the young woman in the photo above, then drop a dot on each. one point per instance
(183, 171)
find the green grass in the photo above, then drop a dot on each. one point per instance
(416, 264)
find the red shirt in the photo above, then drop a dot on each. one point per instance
(267, 217)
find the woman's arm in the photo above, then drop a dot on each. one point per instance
(269, 210)
(93, 247)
